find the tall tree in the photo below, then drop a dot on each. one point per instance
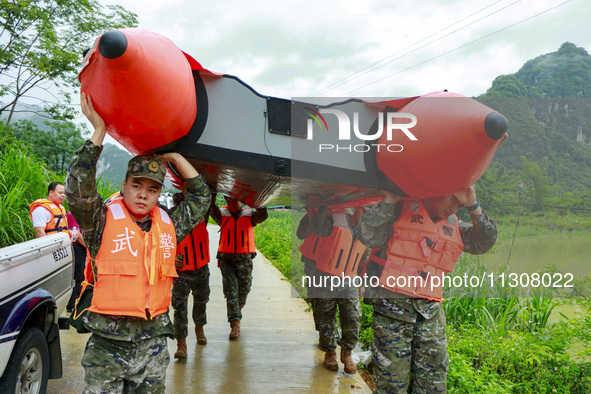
(55, 147)
(41, 46)
(497, 186)
(534, 181)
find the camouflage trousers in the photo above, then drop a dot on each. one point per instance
(325, 313)
(236, 281)
(196, 282)
(125, 367)
(419, 348)
(325, 302)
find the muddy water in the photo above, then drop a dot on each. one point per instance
(570, 254)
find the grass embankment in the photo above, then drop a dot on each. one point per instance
(273, 238)
(498, 342)
(24, 179)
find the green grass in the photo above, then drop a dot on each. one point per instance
(516, 362)
(22, 180)
(273, 238)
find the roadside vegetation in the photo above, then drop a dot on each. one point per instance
(24, 178)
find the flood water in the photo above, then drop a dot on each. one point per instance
(570, 254)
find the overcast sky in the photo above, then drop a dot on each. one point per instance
(366, 48)
(298, 48)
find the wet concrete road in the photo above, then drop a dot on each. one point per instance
(276, 351)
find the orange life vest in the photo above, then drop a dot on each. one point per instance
(135, 268)
(237, 234)
(113, 197)
(338, 254)
(58, 222)
(195, 248)
(419, 249)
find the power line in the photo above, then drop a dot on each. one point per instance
(377, 64)
(459, 47)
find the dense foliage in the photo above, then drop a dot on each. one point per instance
(23, 179)
(548, 146)
(55, 142)
(521, 362)
(55, 146)
(548, 153)
(42, 44)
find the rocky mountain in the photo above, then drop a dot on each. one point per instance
(564, 73)
(548, 105)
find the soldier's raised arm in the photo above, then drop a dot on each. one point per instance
(375, 226)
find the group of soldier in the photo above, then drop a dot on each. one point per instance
(410, 242)
(142, 258)
(235, 253)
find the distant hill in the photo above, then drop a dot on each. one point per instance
(564, 73)
(112, 164)
(547, 103)
(31, 112)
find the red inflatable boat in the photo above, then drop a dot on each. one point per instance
(261, 149)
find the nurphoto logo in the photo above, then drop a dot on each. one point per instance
(391, 119)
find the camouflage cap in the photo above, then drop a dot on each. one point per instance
(143, 166)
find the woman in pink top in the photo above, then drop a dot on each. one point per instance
(79, 248)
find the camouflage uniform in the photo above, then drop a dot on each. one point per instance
(196, 282)
(236, 269)
(237, 281)
(138, 343)
(122, 366)
(325, 312)
(409, 333)
(324, 302)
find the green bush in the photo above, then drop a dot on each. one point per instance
(22, 180)
(516, 362)
(273, 238)
(365, 327)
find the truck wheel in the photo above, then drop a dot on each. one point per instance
(28, 368)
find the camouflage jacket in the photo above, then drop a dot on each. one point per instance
(320, 224)
(375, 230)
(89, 210)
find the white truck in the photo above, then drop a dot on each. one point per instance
(35, 286)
